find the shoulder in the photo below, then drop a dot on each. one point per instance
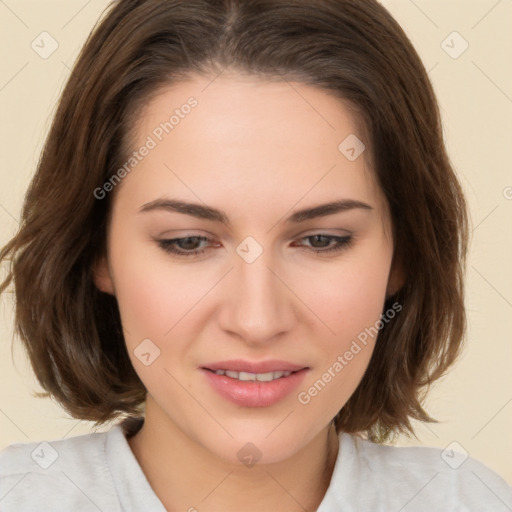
(65, 474)
(383, 477)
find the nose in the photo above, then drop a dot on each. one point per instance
(258, 304)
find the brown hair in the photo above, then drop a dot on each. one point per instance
(353, 49)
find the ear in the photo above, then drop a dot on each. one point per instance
(102, 277)
(396, 277)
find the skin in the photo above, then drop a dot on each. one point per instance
(259, 151)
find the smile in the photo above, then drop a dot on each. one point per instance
(260, 377)
(254, 384)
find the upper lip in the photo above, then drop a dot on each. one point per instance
(239, 365)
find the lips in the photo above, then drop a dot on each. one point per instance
(239, 365)
(247, 376)
(251, 384)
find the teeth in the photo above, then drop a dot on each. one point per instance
(265, 377)
(246, 376)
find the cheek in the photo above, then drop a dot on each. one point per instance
(351, 305)
(153, 294)
(351, 296)
(154, 298)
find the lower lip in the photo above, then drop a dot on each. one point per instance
(254, 393)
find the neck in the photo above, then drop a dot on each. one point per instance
(186, 476)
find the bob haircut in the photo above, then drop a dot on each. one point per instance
(352, 49)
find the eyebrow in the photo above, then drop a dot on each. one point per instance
(206, 212)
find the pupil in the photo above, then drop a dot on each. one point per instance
(187, 241)
(318, 237)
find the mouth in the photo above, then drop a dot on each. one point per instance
(247, 376)
(261, 367)
(250, 384)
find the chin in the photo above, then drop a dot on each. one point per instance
(257, 445)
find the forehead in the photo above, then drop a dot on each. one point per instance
(261, 140)
(233, 106)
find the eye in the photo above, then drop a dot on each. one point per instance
(191, 245)
(186, 246)
(323, 243)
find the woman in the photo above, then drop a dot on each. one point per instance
(244, 237)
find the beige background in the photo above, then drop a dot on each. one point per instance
(474, 402)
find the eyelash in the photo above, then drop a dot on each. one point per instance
(169, 246)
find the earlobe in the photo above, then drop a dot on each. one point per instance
(396, 278)
(102, 277)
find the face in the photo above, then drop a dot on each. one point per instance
(242, 282)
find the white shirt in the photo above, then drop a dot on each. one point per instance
(98, 472)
